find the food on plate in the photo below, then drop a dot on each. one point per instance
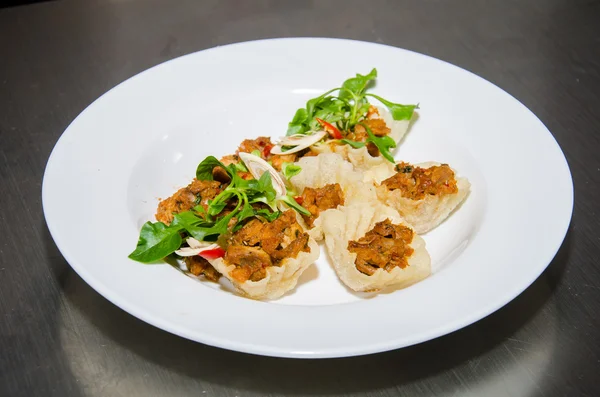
(243, 226)
(348, 124)
(254, 217)
(316, 200)
(372, 248)
(264, 260)
(424, 194)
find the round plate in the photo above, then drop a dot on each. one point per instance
(143, 139)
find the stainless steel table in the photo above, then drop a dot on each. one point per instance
(58, 337)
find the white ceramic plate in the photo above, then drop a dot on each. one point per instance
(143, 139)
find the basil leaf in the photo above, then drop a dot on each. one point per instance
(354, 144)
(156, 241)
(356, 86)
(269, 216)
(312, 103)
(186, 219)
(304, 117)
(383, 143)
(294, 129)
(398, 111)
(200, 209)
(220, 202)
(206, 231)
(236, 180)
(240, 167)
(246, 212)
(300, 117)
(262, 199)
(334, 106)
(205, 168)
(289, 170)
(296, 126)
(265, 185)
(327, 116)
(220, 227)
(363, 108)
(293, 204)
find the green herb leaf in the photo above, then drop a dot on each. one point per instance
(246, 212)
(186, 219)
(290, 169)
(210, 231)
(289, 200)
(304, 117)
(294, 129)
(354, 144)
(398, 111)
(220, 202)
(383, 143)
(205, 168)
(268, 215)
(200, 209)
(156, 241)
(355, 87)
(265, 186)
(240, 167)
(236, 180)
(297, 125)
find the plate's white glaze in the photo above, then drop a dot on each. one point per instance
(143, 139)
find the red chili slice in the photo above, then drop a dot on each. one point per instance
(267, 151)
(213, 253)
(299, 199)
(330, 128)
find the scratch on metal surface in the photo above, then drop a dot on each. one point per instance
(519, 341)
(475, 363)
(591, 286)
(527, 371)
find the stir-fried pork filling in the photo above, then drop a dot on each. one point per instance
(321, 199)
(384, 247)
(416, 182)
(197, 192)
(200, 266)
(258, 245)
(262, 144)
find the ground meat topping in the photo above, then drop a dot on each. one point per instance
(200, 266)
(416, 182)
(383, 247)
(197, 192)
(258, 245)
(250, 145)
(321, 199)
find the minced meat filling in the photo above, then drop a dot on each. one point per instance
(250, 145)
(377, 126)
(258, 245)
(197, 192)
(321, 199)
(200, 266)
(384, 247)
(416, 182)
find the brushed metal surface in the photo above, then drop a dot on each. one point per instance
(58, 337)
